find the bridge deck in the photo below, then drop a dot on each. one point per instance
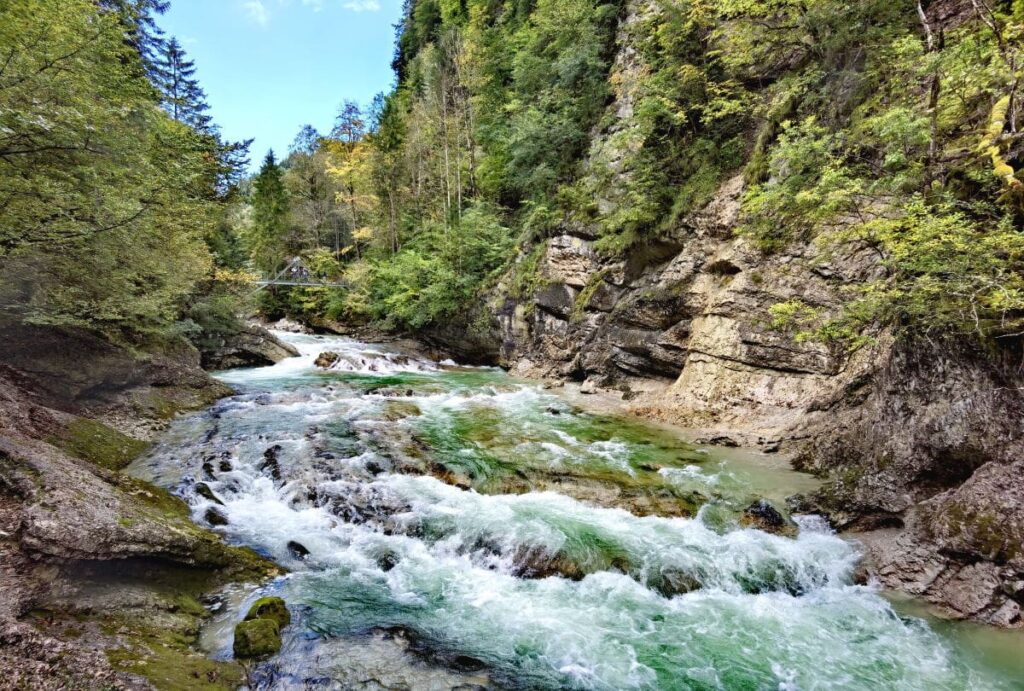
(301, 283)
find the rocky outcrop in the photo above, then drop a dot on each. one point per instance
(918, 441)
(926, 448)
(914, 438)
(963, 549)
(114, 565)
(78, 372)
(252, 346)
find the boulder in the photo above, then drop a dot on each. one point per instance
(763, 516)
(215, 516)
(257, 638)
(271, 607)
(297, 550)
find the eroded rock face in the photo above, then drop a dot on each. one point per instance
(897, 428)
(97, 550)
(253, 346)
(964, 548)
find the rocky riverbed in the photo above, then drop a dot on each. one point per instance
(452, 527)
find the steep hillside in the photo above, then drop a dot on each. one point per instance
(831, 319)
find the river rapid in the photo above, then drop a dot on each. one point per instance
(449, 527)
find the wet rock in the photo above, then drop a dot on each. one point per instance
(298, 550)
(271, 463)
(326, 360)
(763, 516)
(257, 638)
(718, 440)
(390, 392)
(451, 477)
(387, 561)
(215, 517)
(671, 582)
(536, 563)
(271, 607)
(204, 491)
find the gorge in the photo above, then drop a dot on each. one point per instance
(656, 344)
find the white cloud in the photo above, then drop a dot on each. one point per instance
(257, 11)
(362, 5)
(317, 5)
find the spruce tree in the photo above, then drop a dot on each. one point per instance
(268, 235)
(141, 30)
(181, 95)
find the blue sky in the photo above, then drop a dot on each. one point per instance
(271, 66)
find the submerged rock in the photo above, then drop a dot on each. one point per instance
(763, 516)
(326, 360)
(215, 516)
(204, 491)
(271, 464)
(397, 410)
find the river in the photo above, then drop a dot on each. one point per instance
(450, 527)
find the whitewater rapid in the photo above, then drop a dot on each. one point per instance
(385, 485)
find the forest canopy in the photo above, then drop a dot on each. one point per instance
(889, 126)
(892, 127)
(113, 180)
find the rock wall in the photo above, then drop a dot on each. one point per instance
(101, 574)
(919, 442)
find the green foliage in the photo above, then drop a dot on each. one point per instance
(417, 286)
(897, 177)
(267, 235)
(854, 126)
(106, 201)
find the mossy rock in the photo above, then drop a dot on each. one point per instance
(255, 638)
(99, 444)
(397, 410)
(273, 608)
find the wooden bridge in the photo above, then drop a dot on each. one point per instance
(295, 273)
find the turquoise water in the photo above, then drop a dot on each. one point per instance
(509, 539)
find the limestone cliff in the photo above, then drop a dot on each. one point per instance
(919, 439)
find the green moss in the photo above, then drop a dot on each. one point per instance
(273, 608)
(526, 278)
(983, 531)
(167, 663)
(97, 443)
(587, 294)
(257, 638)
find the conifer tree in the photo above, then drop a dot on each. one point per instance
(141, 30)
(182, 97)
(268, 234)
